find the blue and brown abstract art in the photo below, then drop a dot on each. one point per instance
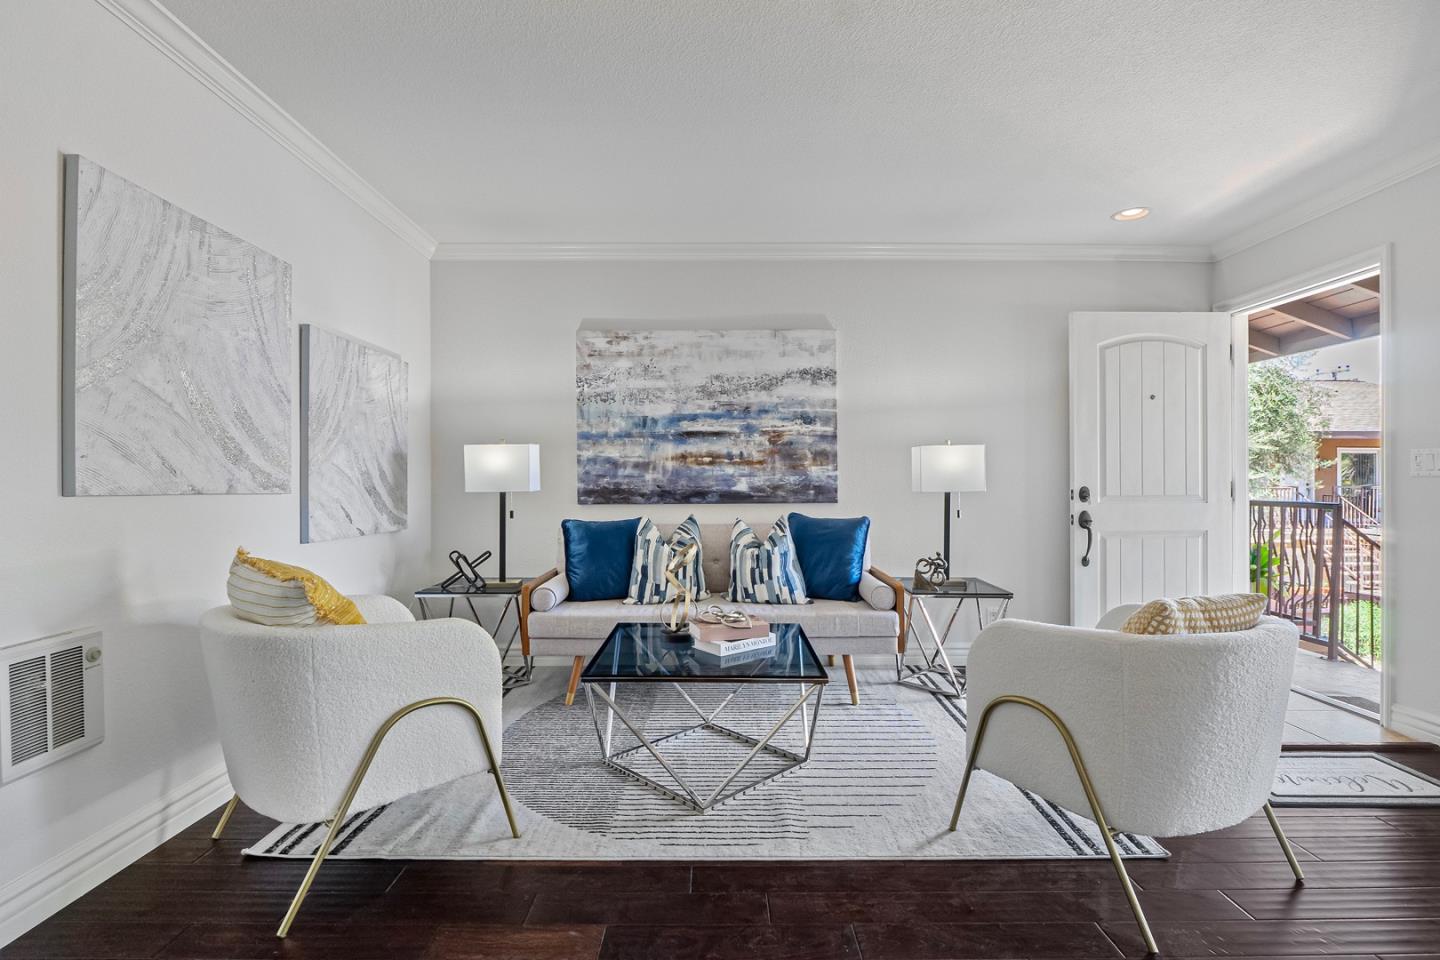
(706, 416)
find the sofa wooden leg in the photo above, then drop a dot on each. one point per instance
(575, 669)
(831, 659)
(850, 679)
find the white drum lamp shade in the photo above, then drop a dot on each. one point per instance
(502, 467)
(948, 468)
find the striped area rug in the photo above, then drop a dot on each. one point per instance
(880, 784)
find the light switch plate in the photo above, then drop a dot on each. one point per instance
(1425, 462)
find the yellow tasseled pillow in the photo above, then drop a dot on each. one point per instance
(280, 595)
(1223, 613)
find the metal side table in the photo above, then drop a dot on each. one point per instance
(950, 678)
(514, 674)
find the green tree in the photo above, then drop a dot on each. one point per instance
(1286, 418)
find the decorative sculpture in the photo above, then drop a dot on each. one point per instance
(683, 595)
(931, 571)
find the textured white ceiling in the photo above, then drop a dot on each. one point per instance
(921, 121)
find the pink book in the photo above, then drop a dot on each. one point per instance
(723, 633)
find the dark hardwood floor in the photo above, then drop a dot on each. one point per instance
(1373, 891)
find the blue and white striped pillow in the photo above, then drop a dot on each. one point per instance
(653, 552)
(764, 571)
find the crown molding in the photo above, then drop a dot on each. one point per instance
(818, 251)
(159, 27)
(1386, 175)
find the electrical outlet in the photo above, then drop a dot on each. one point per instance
(1425, 462)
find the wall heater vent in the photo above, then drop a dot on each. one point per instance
(51, 701)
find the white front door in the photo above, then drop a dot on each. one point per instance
(1151, 462)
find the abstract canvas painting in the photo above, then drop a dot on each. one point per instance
(354, 437)
(176, 348)
(706, 416)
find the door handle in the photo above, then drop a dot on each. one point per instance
(1088, 525)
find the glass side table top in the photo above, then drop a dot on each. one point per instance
(959, 587)
(642, 652)
(492, 588)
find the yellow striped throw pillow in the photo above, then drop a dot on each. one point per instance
(1222, 613)
(281, 595)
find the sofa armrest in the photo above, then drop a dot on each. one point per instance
(527, 590)
(898, 589)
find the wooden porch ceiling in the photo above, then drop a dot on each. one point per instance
(1347, 312)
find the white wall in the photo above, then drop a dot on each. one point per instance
(927, 352)
(1405, 216)
(76, 80)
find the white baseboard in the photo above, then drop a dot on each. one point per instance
(1415, 723)
(39, 893)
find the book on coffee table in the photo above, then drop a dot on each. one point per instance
(722, 639)
(733, 648)
(723, 631)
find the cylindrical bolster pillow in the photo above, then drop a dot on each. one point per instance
(877, 593)
(550, 594)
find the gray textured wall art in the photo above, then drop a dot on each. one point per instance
(176, 348)
(354, 437)
(706, 416)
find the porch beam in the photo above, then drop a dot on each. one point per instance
(1265, 342)
(1318, 318)
(1361, 328)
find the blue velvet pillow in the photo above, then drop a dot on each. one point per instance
(831, 554)
(598, 554)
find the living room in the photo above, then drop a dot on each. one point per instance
(940, 301)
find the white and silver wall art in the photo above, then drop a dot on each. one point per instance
(354, 437)
(176, 348)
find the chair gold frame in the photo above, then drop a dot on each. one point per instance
(336, 822)
(1106, 832)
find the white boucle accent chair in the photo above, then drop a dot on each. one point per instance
(873, 625)
(302, 713)
(1161, 735)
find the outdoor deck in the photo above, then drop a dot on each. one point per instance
(1312, 721)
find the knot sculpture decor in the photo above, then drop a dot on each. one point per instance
(718, 615)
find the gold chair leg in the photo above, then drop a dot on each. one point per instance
(1284, 843)
(359, 777)
(1095, 809)
(225, 817)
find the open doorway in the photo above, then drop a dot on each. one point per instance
(1316, 484)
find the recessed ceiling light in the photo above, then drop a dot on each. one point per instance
(1131, 213)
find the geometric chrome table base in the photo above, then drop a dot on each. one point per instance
(689, 795)
(937, 661)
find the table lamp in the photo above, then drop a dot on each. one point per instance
(951, 469)
(502, 468)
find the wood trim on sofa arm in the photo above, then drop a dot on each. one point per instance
(899, 589)
(527, 588)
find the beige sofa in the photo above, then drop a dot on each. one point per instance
(552, 625)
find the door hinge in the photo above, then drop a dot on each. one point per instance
(1232, 353)
(1232, 489)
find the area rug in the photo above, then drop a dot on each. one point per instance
(1340, 779)
(880, 783)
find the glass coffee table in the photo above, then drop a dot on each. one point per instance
(641, 653)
